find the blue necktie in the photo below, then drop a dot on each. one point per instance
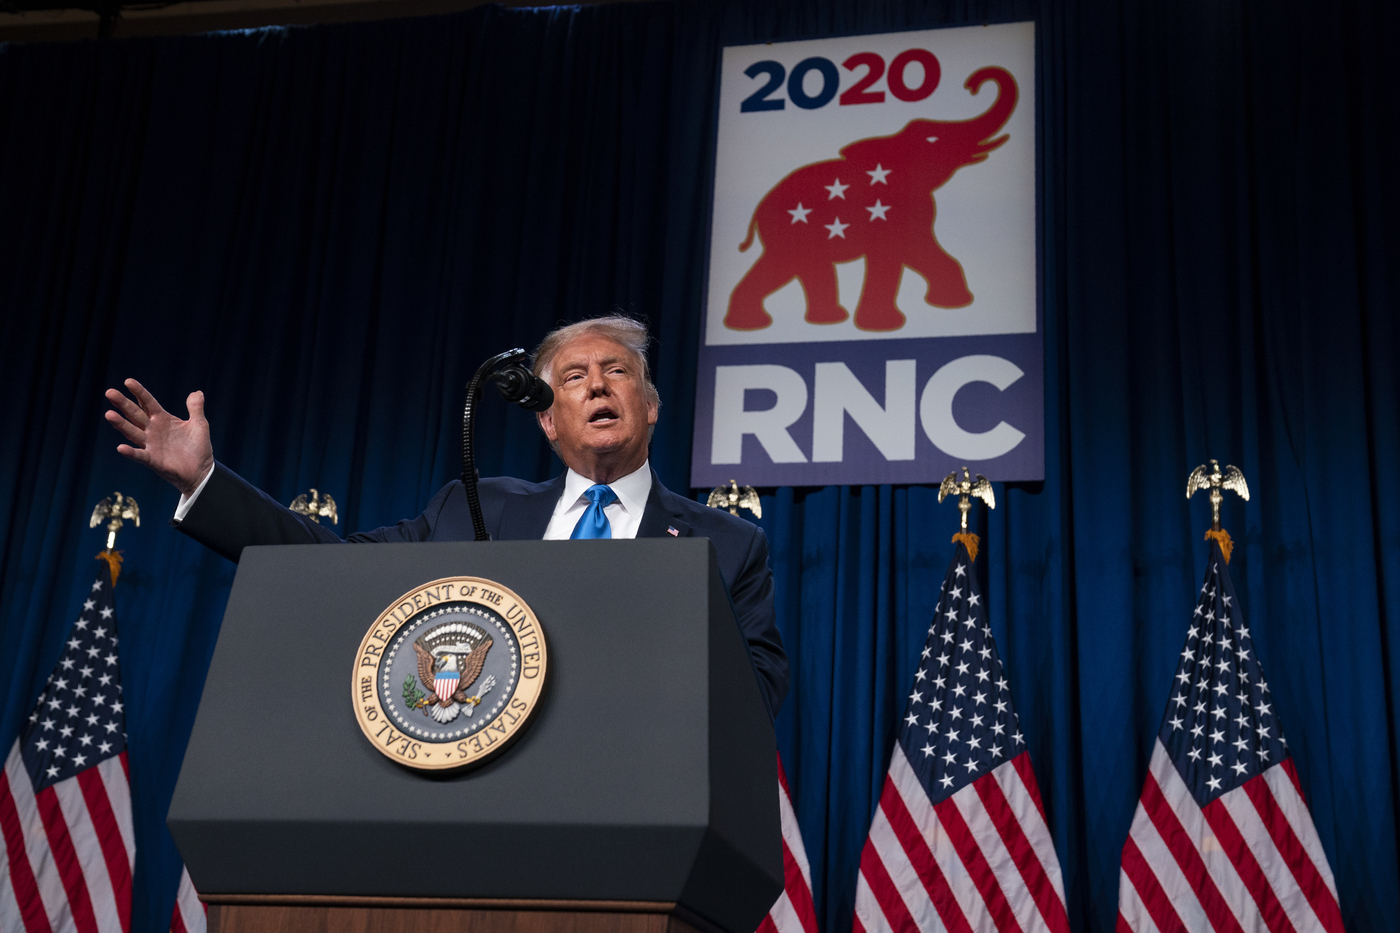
(594, 523)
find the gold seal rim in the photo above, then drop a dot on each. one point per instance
(487, 742)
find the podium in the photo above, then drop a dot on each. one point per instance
(642, 796)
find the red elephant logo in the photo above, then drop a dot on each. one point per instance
(875, 201)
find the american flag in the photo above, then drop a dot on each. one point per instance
(1222, 838)
(959, 840)
(65, 804)
(189, 914)
(793, 911)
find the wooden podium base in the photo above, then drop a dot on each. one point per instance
(313, 914)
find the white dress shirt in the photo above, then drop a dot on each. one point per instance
(187, 503)
(624, 515)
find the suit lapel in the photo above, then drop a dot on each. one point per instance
(659, 520)
(525, 518)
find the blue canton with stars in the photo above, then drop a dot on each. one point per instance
(78, 720)
(1220, 728)
(959, 723)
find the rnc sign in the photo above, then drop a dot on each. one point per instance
(872, 313)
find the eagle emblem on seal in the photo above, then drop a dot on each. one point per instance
(450, 658)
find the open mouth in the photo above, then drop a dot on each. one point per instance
(602, 416)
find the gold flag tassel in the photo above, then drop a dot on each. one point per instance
(114, 510)
(1216, 480)
(965, 489)
(968, 540)
(114, 562)
(1222, 537)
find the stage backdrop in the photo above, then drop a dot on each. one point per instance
(327, 229)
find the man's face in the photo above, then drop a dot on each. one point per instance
(601, 418)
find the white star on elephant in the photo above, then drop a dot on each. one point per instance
(836, 229)
(877, 211)
(878, 175)
(800, 212)
(837, 190)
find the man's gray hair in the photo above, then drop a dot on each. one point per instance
(630, 333)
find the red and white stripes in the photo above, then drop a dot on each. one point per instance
(189, 913)
(1248, 861)
(69, 850)
(982, 859)
(793, 911)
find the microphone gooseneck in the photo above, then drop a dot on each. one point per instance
(516, 384)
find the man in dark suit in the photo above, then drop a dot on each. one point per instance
(605, 406)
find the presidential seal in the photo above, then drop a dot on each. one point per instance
(450, 674)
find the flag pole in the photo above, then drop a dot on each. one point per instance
(116, 509)
(68, 857)
(1216, 480)
(959, 836)
(965, 489)
(1221, 775)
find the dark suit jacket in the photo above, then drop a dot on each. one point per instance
(230, 514)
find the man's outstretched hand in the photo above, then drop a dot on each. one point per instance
(179, 451)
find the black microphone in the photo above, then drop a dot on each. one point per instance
(517, 384)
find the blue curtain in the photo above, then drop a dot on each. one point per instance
(327, 229)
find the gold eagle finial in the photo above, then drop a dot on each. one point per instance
(735, 497)
(315, 506)
(1216, 480)
(115, 510)
(965, 489)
